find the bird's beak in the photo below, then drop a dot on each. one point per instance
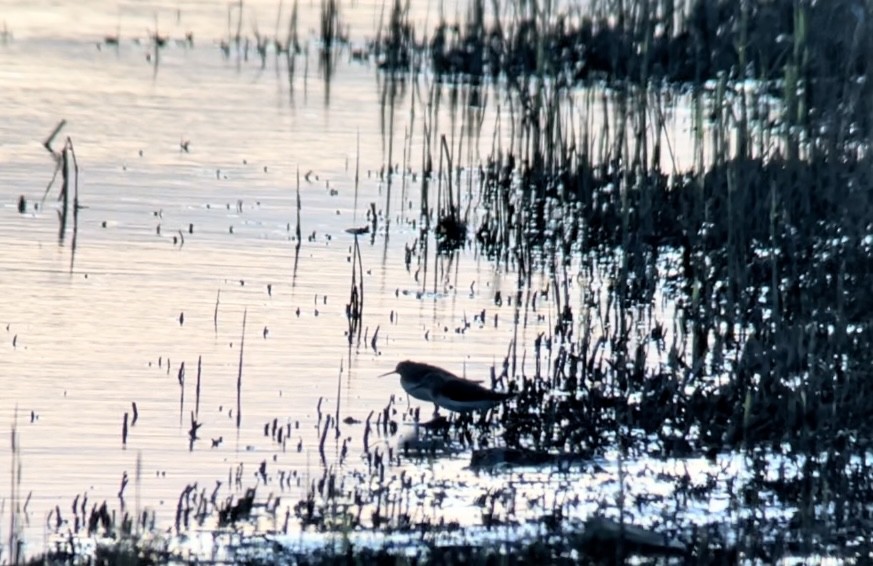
(389, 373)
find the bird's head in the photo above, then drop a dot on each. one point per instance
(406, 369)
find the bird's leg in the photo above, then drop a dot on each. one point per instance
(436, 411)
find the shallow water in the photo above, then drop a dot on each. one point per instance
(176, 248)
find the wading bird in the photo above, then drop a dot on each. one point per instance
(445, 389)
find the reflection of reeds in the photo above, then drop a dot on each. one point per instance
(292, 47)
(237, 37)
(355, 306)
(451, 229)
(5, 34)
(261, 43)
(395, 51)
(330, 24)
(331, 34)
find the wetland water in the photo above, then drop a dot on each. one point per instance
(175, 245)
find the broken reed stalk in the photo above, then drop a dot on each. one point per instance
(242, 342)
(48, 141)
(65, 160)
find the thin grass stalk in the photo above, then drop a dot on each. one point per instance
(64, 196)
(240, 372)
(392, 86)
(357, 173)
(297, 229)
(299, 239)
(181, 379)
(215, 312)
(14, 493)
(404, 167)
(75, 204)
(138, 492)
(197, 389)
(339, 382)
(439, 207)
